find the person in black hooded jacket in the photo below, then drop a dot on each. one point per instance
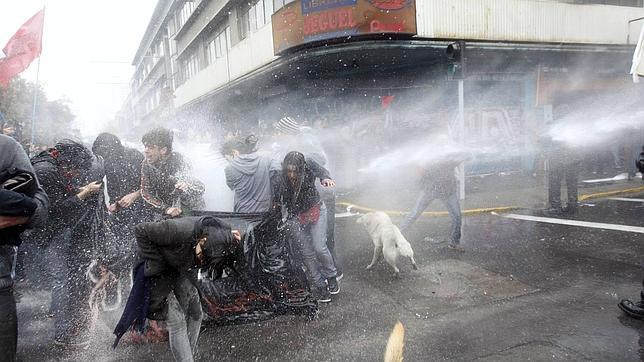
(66, 237)
(123, 174)
(173, 251)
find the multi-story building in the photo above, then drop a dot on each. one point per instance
(238, 63)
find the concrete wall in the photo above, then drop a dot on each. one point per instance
(249, 54)
(524, 21)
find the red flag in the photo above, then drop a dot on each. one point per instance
(386, 101)
(23, 47)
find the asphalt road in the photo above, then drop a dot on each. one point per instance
(520, 290)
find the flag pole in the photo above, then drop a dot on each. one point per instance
(33, 110)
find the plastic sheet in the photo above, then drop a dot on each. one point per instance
(267, 279)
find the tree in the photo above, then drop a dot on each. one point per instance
(53, 117)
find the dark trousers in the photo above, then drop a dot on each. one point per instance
(70, 289)
(8, 316)
(558, 172)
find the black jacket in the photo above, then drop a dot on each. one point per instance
(167, 248)
(169, 245)
(300, 200)
(65, 208)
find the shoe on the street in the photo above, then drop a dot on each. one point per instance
(334, 287)
(321, 294)
(339, 275)
(455, 246)
(634, 310)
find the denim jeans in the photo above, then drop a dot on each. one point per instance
(8, 316)
(184, 320)
(317, 256)
(452, 205)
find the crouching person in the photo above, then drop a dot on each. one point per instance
(174, 250)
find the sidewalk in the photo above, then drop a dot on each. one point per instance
(494, 192)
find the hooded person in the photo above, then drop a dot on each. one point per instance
(123, 174)
(249, 174)
(23, 204)
(294, 136)
(301, 200)
(68, 233)
(172, 252)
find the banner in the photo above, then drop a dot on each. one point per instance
(305, 21)
(23, 47)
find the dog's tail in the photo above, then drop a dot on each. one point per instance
(395, 344)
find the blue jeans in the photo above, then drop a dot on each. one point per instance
(184, 320)
(315, 252)
(452, 205)
(8, 316)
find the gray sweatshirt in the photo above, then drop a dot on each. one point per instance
(249, 177)
(13, 156)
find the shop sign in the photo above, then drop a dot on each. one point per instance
(306, 21)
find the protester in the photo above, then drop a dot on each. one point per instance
(123, 174)
(173, 250)
(67, 236)
(166, 183)
(294, 136)
(635, 309)
(23, 203)
(563, 164)
(302, 202)
(248, 174)
(438, 181)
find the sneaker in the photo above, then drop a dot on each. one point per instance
(321, 294)
(334, 287)
(634, 310)
(339, 275)
(455, 246)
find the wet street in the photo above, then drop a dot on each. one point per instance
(521, 289)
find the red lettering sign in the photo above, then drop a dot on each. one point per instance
(329, 21)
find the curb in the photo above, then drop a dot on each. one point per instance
(610, 193)
(353, 207)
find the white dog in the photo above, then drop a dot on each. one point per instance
(387, 239)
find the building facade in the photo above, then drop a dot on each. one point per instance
(233, 64)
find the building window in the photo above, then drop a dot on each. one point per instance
(255, 16)
(190, 66)
(219, 45)
(186, 10)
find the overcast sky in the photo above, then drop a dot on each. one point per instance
(88, 47)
